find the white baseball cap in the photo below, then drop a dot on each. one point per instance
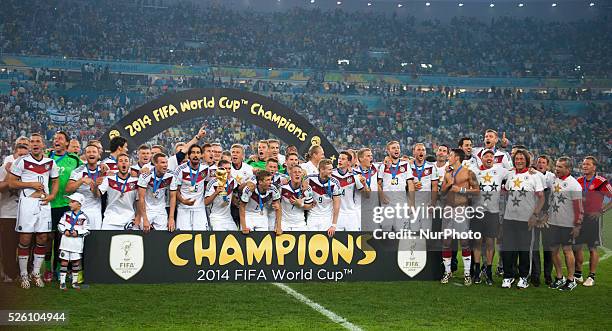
(78, 197)
(488, 151)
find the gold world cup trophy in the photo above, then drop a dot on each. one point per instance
(221, 175)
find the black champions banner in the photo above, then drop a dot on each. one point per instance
(164, 257)
(146, 121)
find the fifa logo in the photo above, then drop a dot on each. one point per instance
(412, 256)
(126, 255)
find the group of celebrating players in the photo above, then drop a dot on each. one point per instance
(55, 198)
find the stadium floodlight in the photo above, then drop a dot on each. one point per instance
(492, 5)
(554, 4)
(399, 5)
(460, 4)
(312, 1)
(339, 3)
(427, 4)
(521, 4)
(369, 4)
(171, 51)
(591, 4)
(403, 64)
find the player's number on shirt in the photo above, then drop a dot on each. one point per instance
(320, 199)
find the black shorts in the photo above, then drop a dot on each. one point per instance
(488, 226)
(56, 215)
(590, 232)
(558, 235)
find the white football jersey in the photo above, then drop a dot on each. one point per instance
(28, 169)
(370, 175)
(191, 183)
(441, 171)
(323, 194)
(350, 199)
(549, 180)
(220, 208)
(257, 202)
(77, 222)
(490, 182)
(427, 174)
(472, 163)
(521, 187)
(394, 176)
(91, 202)
(561, 207)
(157, 188)
(310, 168)
(137, 167)
(122, 193)
(243, 173)
(292, 214)
(111, 162)
(368, 201)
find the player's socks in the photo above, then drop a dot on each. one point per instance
(24, 255)
(489, 270)
(577, 274)
(498, 248)
(76, 269)
(467, 261)
(476, 268)
(446, 259)
(592, 275)
(63, 272)
(39, 258)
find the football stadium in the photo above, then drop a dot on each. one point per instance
(305, 164)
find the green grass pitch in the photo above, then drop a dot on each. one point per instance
(373, 305)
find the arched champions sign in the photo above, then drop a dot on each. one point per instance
(146, 121)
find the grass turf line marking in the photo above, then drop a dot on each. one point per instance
(329, 314)
(607, 253)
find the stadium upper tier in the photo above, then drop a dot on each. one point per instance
(307, 38)
(433, 117)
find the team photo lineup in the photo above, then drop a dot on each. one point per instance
(206, 188)
(292, 164)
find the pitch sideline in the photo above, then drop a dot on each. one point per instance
(324, 311)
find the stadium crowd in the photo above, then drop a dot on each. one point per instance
(429, 116)
(306, 38)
